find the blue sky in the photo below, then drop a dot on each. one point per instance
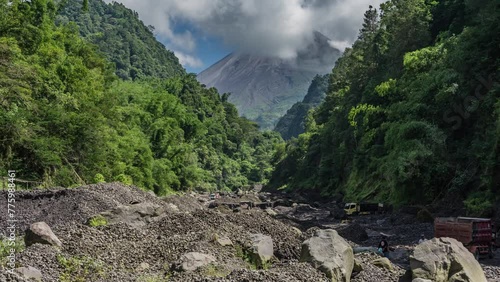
(207, 51)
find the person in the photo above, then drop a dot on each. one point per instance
(422, 239)
(383, 247)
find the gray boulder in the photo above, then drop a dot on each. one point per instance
(40, 232)
(194, 260)
(261, 248)
(330, 253)
(29, 273)
(445, 260)
(136, 215)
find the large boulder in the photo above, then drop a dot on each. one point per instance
(330, 253)
(136, 215)
(445, 260)
(40, 232)
(261, 248)
(193, 260)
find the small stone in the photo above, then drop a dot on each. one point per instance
(194, 260)
(142, 267)
(296, 230)
(30, 273)
(383, 263)
(224, 241)
(271, 212)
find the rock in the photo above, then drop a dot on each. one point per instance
(271, 212)
(136, 215)
(40, 232)
(445, 260)
(30, 273)
(330, 253)
(142, 267)
(383, 263)
(193, 260)
(358, 267)
(399, 255)
(353, 232)
(421, 280)
(296, 230)
(261, 248)
(337, 212)
(173, 207)
(224, 241)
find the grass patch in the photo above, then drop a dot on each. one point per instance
(153, 278)
(253, 261)
(98, 220)
(7, 247)
(80, 269)
(213, 270)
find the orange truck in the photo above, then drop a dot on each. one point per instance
(475, 233)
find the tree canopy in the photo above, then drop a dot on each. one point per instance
(66, 119)
(412, 110)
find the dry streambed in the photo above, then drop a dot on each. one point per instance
(111, 232)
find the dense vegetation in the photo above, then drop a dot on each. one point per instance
(122, 37)
(412, 113)
(293, 123)
(66, 119)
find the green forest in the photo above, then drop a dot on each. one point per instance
(412, 113)
(103, 101)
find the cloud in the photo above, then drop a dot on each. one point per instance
(341, 45)
(268, 27)
(188, 60)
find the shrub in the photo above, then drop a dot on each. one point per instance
(98, 220)
(99, 178)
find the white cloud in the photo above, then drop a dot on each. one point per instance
(341, 45)
(270, 27)
(188, 60)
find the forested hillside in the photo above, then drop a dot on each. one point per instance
(412, 113)
(293, 123)
(66, 119)
(122, 37)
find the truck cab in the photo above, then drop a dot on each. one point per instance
(351, 208)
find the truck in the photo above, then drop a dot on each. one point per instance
(365, 208)
(476, 234)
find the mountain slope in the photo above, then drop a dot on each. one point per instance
(123, 38)
(292, 124)
(263, 88)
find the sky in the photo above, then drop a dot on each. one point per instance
(201, 32)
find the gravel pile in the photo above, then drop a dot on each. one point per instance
(371, 273)
(71, 205)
